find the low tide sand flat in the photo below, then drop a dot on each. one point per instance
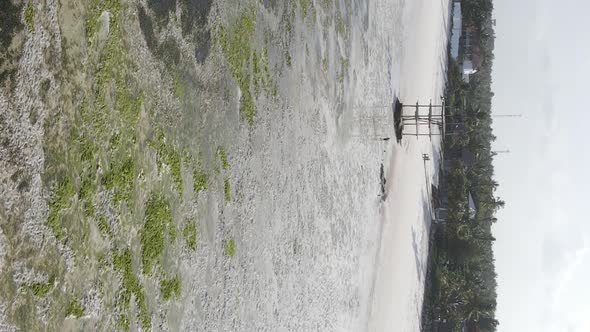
(213, 166)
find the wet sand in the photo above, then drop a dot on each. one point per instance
(317, 248)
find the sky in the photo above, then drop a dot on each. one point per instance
(541, 70)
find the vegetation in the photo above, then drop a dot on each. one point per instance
(170, 288)
(168, 155)
(42, 289)
(190, 235)
(127, 104)
(89, 209)
(230, 247)
(96, 9)
(179, 89)
(201, 181)
(29, 17)
(227, 189)
(86, 193)
(172, 232)
(111, 68)
(340, 27)
(223, 157)
(304, 4)
(131, 286)
(158, 217)
(87, 188)
(250, 67)
(103, 226)
(75, 309)
(120, 179)
(461, 277)
(235, 44)
(60, 201)
(344, 66)
(261, 74)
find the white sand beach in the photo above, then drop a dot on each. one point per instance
(401, 264)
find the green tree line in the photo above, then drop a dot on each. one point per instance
(461, 278)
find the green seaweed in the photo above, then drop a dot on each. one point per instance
(236, 45)
(340, 27)
(87, 188)
(30, 17)
(120, 178)
(104, 227)
(201, 181)
(304, 4)
(61, 200)
(75, 309)
(157, 217)
(169, 155)
(256, 72)
(230, 248)
(131, 285)
(96, 8)
(227, 189)
(172, 232)
(270, 85)
(174, 161)
(223, 156)
(170, 288)
(129, 106)
(190, 235)
(261, 72)
(42, 289)
(179, 89)
(89, 209)
(88, 150)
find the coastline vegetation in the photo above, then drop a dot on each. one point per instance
(461, 282)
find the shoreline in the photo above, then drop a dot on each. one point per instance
(398, 287)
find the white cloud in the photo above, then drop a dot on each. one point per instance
(563, 306)
(541, 69)
(566, 276)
